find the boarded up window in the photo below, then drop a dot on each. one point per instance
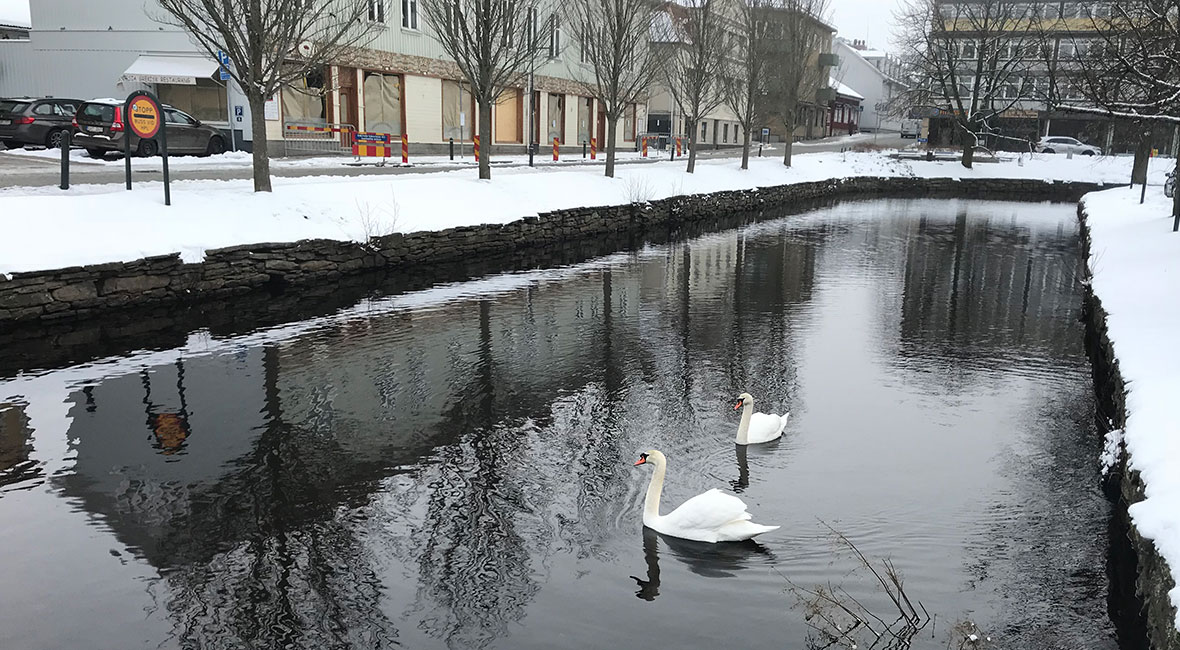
(629, 124)
(304, 100)
(383, 103)
(457, 110)
(508, 116)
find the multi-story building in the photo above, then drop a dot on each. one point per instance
(721, 127)
(1050, 40)
(401, 81)
(877, 76)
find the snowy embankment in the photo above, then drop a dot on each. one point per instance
(46, 228)
(1135, 262)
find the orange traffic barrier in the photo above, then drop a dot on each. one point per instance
(554, 149)
(475, 139)
(593, 148)
(405, 148)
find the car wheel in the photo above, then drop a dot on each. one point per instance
(12, 145)
(216, 146)
(1087, 153)
(147, 148)
(1048, 151)
(96, 153)
(53, 139)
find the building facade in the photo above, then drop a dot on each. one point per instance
(400, 82)
(877, 77)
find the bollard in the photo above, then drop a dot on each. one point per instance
(583, 148)
(65, 160)
(679, 147)
(475, 140)
(671, 150)
(643, 146)
(593, 148)
(760, 155)
(452, 146)
(405, 148)
(554, 149)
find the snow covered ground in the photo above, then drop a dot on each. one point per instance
(46, 228)
(1135, 260)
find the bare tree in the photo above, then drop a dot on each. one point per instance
(1127, 66)
(614, 39)
(271, 44)
(747, 67)
(797, 38)
(690, 37)
(494, 43)
(972, 58)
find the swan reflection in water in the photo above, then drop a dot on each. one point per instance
(720, 560)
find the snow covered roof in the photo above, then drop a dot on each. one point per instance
(15, 13)
(841, 89)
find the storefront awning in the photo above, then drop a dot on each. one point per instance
(181, 70)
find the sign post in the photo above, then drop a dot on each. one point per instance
(230, 115)
(145, 119)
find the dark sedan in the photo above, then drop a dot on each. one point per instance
(101, 130)
(35, 120)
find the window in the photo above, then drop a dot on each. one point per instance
(66, 110)
(629, 124)
(555, 37)
(457, 110)
(1100, 10)
(204, 100)
(377, 11)
(383, 103)
(43, 109)
(1052, 11)
(172, 116)
(967, 49)
(725, 132)
(530, 29)
(410, 14)
(704, 131)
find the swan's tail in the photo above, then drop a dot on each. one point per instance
(783, 425)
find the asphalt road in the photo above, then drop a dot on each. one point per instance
(29, 171)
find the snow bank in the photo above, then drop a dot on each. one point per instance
(46, 228)
(1135, 260)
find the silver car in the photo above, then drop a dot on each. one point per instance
(1063, 144)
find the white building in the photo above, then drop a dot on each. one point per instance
(875, 75)
(401, 82)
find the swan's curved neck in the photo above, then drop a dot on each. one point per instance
(743, 434)
(651, 504)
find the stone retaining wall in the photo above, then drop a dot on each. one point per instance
(1145, 580)
(85, 291)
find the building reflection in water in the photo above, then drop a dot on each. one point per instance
(416, 474)
(15, 447)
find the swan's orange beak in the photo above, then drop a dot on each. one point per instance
(738, 405)
(642, 461)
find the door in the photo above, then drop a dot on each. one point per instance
(555, 119)
(601, 130)
(349, 111)
(183, 134)
(585, 108)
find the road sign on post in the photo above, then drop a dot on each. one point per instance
(223, 74)
(146, 120)
(223, 70)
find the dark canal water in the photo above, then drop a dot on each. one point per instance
(451, 468)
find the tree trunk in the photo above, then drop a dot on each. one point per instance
(1142, 158)
(789, 140)
(259, 146)
(968, 141)
(485, 138)
(746, 147)
(692, 146)
(1176, 195)
(612, 124)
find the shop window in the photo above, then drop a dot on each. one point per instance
(204, 101)
(457, 110)
(305, 100)
(383, 103)
(629, 124)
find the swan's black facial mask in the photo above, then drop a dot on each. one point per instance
(642, 460)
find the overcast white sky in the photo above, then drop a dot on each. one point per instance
(14, 11)
(871, 20)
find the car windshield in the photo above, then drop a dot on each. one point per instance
(9, 106)
(101, 112)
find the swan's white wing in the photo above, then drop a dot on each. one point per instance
(766, 426)
(708, 511)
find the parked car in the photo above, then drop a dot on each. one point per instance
(910, 128)
(35, 120)
(1062, 144)
(101, 130)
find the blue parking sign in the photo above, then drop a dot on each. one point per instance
(223, 70)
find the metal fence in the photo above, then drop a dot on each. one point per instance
(301, 136)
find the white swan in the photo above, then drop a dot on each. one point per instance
(710, 517)
(757, 427)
